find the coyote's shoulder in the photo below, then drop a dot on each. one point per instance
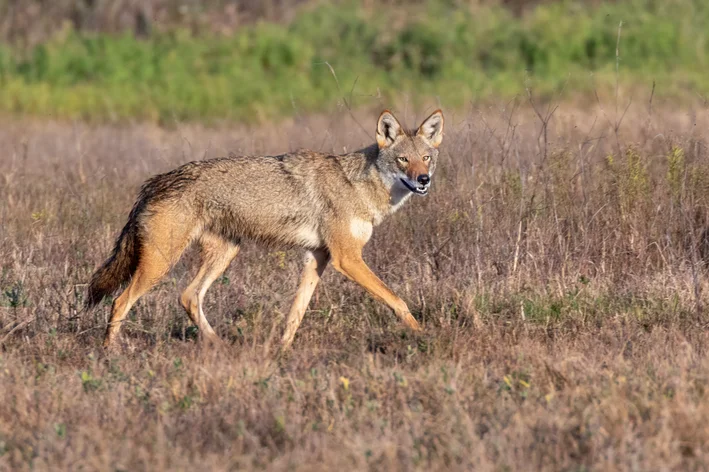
(327, 204)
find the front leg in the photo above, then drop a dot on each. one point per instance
(346, 254)
(315, 264)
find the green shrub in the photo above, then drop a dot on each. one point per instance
(267, 70)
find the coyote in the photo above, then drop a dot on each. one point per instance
(326, 204)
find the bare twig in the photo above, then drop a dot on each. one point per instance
(348, 105)
(617, 64)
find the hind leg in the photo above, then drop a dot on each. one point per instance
(217, 254)
(151, 268)
(164, 244)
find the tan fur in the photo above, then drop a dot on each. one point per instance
(326, 204)
(216, 254)
(315, 264)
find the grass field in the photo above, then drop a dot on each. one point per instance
(558, 271)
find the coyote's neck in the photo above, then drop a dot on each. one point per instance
(359, 165)
(378, 188)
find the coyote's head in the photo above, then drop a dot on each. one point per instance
(408, 158)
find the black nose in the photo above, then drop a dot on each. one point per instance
(424, 179)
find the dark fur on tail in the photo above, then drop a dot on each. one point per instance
(123, 262)
(121, 265)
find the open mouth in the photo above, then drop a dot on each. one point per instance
(420, 190)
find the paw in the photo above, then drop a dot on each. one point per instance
(410, 321)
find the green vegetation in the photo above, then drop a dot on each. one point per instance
(267, 70)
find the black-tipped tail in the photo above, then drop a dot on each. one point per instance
(118, 268)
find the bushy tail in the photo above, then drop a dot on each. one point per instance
(119, 267)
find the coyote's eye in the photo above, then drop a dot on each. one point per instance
(426, 158)
(402, 159)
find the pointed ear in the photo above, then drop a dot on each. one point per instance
(388, 129)
(432, 128)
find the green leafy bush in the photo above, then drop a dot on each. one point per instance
(267, 70)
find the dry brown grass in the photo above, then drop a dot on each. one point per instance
(561, 293)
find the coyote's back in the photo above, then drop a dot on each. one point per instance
(323, 203)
